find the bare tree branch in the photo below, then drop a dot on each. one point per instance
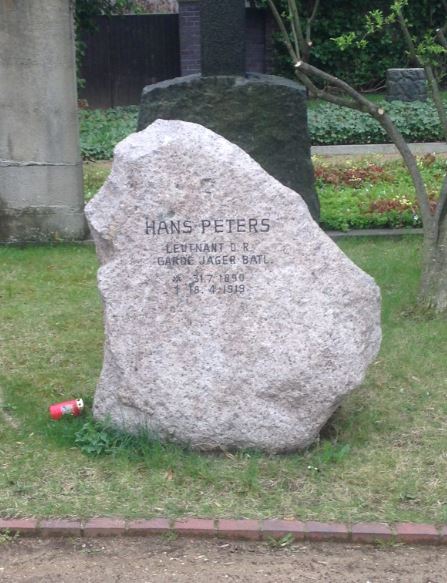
(441, 207)
(407, 36)
(366, 106)
(437, 98)
(440, 33)
(434, 279)
(296, 25)
(293, 26)
(310, 22)
(283, 29)
(324, 94)
(410, 162)
(363, 104)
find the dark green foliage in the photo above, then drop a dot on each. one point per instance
(361, 68)
(102, 129)
(95, 439)
(86, 10)
(331, 124)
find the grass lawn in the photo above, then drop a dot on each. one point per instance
(382, 457)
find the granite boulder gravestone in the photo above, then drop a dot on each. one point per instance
(231, 319)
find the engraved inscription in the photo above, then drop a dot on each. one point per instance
(207, 226)
(226, 259)
(210, 283)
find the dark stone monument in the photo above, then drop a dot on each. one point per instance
(406, 85)
(263, 114)
(223, 25)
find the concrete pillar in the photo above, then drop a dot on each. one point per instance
(41, 194)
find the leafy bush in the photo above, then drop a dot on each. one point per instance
(330, 124)
(102, 129)
(361, 68)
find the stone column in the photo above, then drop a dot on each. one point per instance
(222, 30)
(41, 194)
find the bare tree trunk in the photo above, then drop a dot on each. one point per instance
(433, 287)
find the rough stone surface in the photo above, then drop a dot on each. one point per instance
(406, 85)
(265, 115)
(231, 319)
(222, 31)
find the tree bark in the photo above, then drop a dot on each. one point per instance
(433, 287)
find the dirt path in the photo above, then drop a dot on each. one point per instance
(160, 560)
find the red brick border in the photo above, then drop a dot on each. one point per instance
(59, 527)
(411, 533)
(104, 527)
(154, 526)
(281, 528)
(240, 529)
(371, 532)
(244, 529)
(326, 531)
(21, 526)
(195, 527)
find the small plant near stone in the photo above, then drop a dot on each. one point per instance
(103, 439)
(7, 536)
(95, 439)
(169, 536)
(94, 176)
(280, 543)
(326, 454)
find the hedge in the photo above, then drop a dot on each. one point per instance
(330, 124)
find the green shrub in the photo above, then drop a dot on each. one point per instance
(330, 124)
(102, 129)
(364, 68)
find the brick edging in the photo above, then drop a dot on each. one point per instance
(240, 529)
